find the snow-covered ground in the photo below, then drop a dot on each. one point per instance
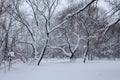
(64, 70)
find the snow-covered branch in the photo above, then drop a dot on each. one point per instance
(82, 9)
(57, 27)
(66, 53)
(72, 14)
(110, 25)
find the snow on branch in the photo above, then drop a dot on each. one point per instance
(82, 9)
(66, 53)
(72, 14)
(110, 25)
(58, 26)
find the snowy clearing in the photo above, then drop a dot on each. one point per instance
(64, 70)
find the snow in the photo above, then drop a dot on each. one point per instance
(64, 70)
(12, 54)
(64, 51)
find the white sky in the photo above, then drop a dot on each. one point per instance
(104, 5)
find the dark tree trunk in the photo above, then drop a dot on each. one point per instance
(43, 52)
(86, 53)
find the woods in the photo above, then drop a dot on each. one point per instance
(36, 29)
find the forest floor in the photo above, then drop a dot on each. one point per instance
(55, 69)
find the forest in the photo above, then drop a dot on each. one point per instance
(40, 29)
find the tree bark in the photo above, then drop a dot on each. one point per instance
(43, 52)
(86, 51)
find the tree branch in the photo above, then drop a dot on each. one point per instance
(82, 9)
(110, 25)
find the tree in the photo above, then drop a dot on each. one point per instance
(50, 7)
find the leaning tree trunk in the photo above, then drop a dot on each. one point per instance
(43, 52)
(86, 51)
(72, 56)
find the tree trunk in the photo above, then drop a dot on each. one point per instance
(86, 51)
(43, 52)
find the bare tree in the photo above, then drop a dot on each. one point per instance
(51, 6)
(19, 17)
